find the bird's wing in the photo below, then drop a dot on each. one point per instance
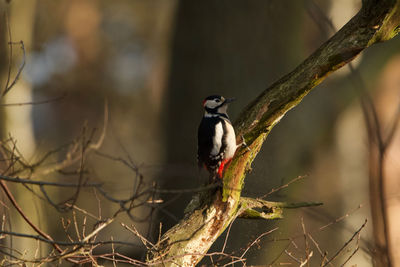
(205, 143)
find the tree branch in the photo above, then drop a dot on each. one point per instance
(269, 209)
(377, 21)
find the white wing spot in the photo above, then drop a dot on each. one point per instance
(217, 140)
(231, 141)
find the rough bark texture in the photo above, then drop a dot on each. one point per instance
(186, 243)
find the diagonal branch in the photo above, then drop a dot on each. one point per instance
(377, 21)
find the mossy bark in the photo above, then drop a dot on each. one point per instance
(188, 241)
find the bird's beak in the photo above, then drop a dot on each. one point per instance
(229, 100)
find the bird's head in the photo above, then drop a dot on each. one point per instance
(216, 104)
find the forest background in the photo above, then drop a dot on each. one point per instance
(131, 75)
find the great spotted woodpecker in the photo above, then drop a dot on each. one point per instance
(216, 137)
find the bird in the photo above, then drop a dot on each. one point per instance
(216, 136)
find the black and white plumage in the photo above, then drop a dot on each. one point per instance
(216, 136)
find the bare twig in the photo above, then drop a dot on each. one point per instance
(99, 227)
(257, 240)
(308, 253)
(67, 244)
(56, 99)
(21, 67)
(287, 252)
(307, 260)
(46, 183)
(227, 236)
(346, 244)
(339, 219)
(284, 186)
(323, 254)
(18, 208)
(8, 86)
(133, 230)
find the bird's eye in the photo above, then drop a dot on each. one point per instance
(217, 100)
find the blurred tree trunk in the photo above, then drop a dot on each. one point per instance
(380, 248)
(384, 169)
(17, 121)
(187, 242)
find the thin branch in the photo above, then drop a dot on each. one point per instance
(354, 252)
(257, 240)
(227, 236)
(308, 253)
(323, 254)
(284, 186)
(34, 103)
(46, 183)
(287, 252)
(99, 227)
(346, 244)
(26, 219)
(133, 230)
(306, 261)
(68, 244)
(341, 218)
(21, 67)
(270, 209)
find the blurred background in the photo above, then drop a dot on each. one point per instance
(153, 62)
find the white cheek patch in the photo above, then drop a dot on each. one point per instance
(211, 104)
(217, 140)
